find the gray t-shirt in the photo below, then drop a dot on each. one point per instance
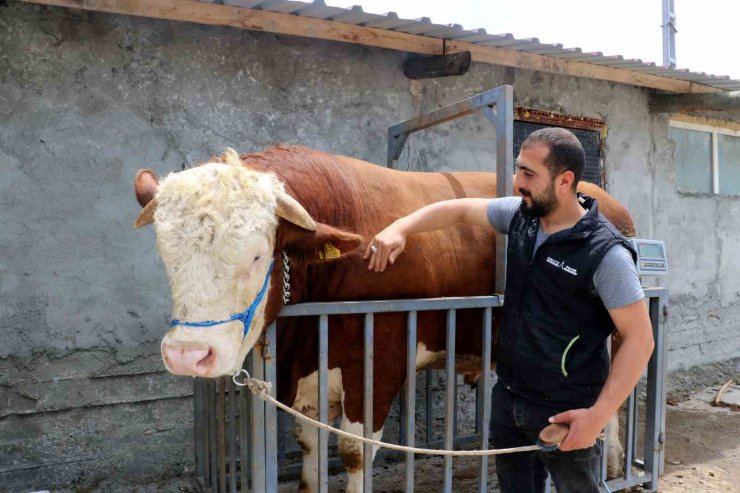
(615, 279)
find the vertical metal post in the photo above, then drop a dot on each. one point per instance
(367, 449)
(504, 170)
(271, 476)
(410, 399)
(231, 432)
(198, 428)
(244, 438)
(258, 426)
(483, 400)
(323, 403)
(669, 34)
(629, 434)
(221, 433)
(429, 430)
(449, 398)
(654, 406)
(213, 452)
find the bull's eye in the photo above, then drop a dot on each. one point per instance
(257, 258)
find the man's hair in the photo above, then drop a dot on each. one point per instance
(565, 151)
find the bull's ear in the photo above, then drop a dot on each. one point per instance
(326, 243)
(289, 209)
(145, 186)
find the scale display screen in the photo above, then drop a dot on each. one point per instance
(651, 257)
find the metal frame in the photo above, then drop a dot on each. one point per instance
(256, 443)
(497, 105)
(257, 423)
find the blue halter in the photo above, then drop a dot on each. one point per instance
(245, 316)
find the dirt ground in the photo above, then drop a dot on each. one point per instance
(702, 449)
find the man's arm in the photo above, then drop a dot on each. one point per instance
(633, 323)
(390, 242)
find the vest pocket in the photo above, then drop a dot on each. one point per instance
(565, 355)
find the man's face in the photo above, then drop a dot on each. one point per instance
(534, 182)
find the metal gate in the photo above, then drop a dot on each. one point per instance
(236, 439)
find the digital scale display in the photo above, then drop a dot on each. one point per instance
(651, 257)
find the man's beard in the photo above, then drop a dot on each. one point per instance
(542, 205)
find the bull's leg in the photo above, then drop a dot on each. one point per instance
(351, 452)
(307, 436)
(615, 451)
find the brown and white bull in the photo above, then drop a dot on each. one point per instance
(221, 226)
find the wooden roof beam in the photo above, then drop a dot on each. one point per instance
(675, 103)
(259, 20)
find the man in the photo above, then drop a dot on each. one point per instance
(571, 281)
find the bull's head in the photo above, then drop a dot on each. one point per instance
(216, 231)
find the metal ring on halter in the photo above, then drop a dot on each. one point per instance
(239, 372)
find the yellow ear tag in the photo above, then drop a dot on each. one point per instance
(329, 252)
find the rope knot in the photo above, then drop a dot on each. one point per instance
(259, 388)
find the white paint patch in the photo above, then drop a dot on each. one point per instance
(355, 448)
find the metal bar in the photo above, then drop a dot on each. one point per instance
(629, 434)
(198, 430)
(653, 409)
(258, 426)
(367, 403)
(323, 403)
(244, 440)
(213, 459)
(271, 473)
(231, 432)
(221, 434)
(451, 112)
(410, 399)
(384, 306)
(624, 484)
(504, 170)
(282, 443)
(429, 431)
(449, 398)
(483, 400)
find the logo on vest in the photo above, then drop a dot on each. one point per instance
(560, 264)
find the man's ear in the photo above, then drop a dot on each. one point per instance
(326, 244)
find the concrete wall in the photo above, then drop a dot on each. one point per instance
(86, 99)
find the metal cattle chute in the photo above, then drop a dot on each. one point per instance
(240, 440)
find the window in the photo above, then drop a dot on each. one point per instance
(587, 130)
(707, 158)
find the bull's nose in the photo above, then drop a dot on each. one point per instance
(187, 360)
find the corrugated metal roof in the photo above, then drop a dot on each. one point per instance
(390, 21)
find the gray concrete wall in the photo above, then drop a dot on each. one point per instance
(86, 99)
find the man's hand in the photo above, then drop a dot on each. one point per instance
(585, 427)
(385, 247)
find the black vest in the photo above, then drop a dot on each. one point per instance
(552, 341)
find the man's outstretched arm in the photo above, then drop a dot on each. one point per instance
(389, 243)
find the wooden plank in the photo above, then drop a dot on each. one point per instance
(531, 61)
(713, 122)
(225, 15)
(670, 103)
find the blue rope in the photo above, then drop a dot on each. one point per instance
(245, 316)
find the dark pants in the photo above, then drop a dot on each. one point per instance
(516, 422)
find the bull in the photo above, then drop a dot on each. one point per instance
(222, 229)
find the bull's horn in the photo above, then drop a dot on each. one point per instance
(289, 209)
(146, 216)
